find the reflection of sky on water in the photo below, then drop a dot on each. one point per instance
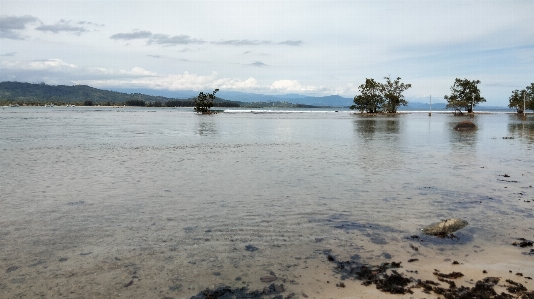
(274, 181)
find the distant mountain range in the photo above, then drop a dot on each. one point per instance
(28, 93)
(330, 101)
(324, 101)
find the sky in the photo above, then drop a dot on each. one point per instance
(313, 48)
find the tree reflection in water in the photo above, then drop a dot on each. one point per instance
(522, 129)
(206, 126)
(378, 141)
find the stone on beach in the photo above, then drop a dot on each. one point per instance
(268, 278)
(444, 227)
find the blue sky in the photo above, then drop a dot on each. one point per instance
(272, 47)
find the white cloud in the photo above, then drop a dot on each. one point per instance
(140, 77)
(100, 77)
(51, 64)
(237, 84)
(99, 71)
(139, 71)
(134, 72)
(40, 65)
(283, 86)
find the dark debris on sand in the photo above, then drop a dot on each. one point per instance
(393, 283)
(389, 280)
(243, 293)
(452, 275)
(523, 243)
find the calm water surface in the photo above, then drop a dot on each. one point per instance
(93, 198)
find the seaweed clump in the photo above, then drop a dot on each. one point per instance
(396, 283)
(227, 292)
(523, 243)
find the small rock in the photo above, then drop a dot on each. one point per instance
(273, 289)
(128, 284)
(63, 259)
(444, 227)
(11, 269)
(251, 248)
(18, 280)
(175, 287)
(491, 280)
(37, 263)
(268, 278)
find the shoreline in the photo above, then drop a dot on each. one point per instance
(152, 272)
(283, 110)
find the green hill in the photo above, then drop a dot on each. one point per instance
(39, 94)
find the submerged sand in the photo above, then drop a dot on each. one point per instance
(119, 220)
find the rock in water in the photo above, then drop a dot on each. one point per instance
(444, 227)
(465, 125)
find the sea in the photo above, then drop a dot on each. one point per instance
(108, 202)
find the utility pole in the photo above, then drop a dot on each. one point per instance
(524, 100)
(430, 113)
(524, 106)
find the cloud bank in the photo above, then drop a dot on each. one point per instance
(10, 26)
(62, 26)
(68, 73)
(167, 40)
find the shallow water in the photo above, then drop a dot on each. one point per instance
(170, 200)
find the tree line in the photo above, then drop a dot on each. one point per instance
(387, 97)
(178, 103)
(376, 97)
(523, 99)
